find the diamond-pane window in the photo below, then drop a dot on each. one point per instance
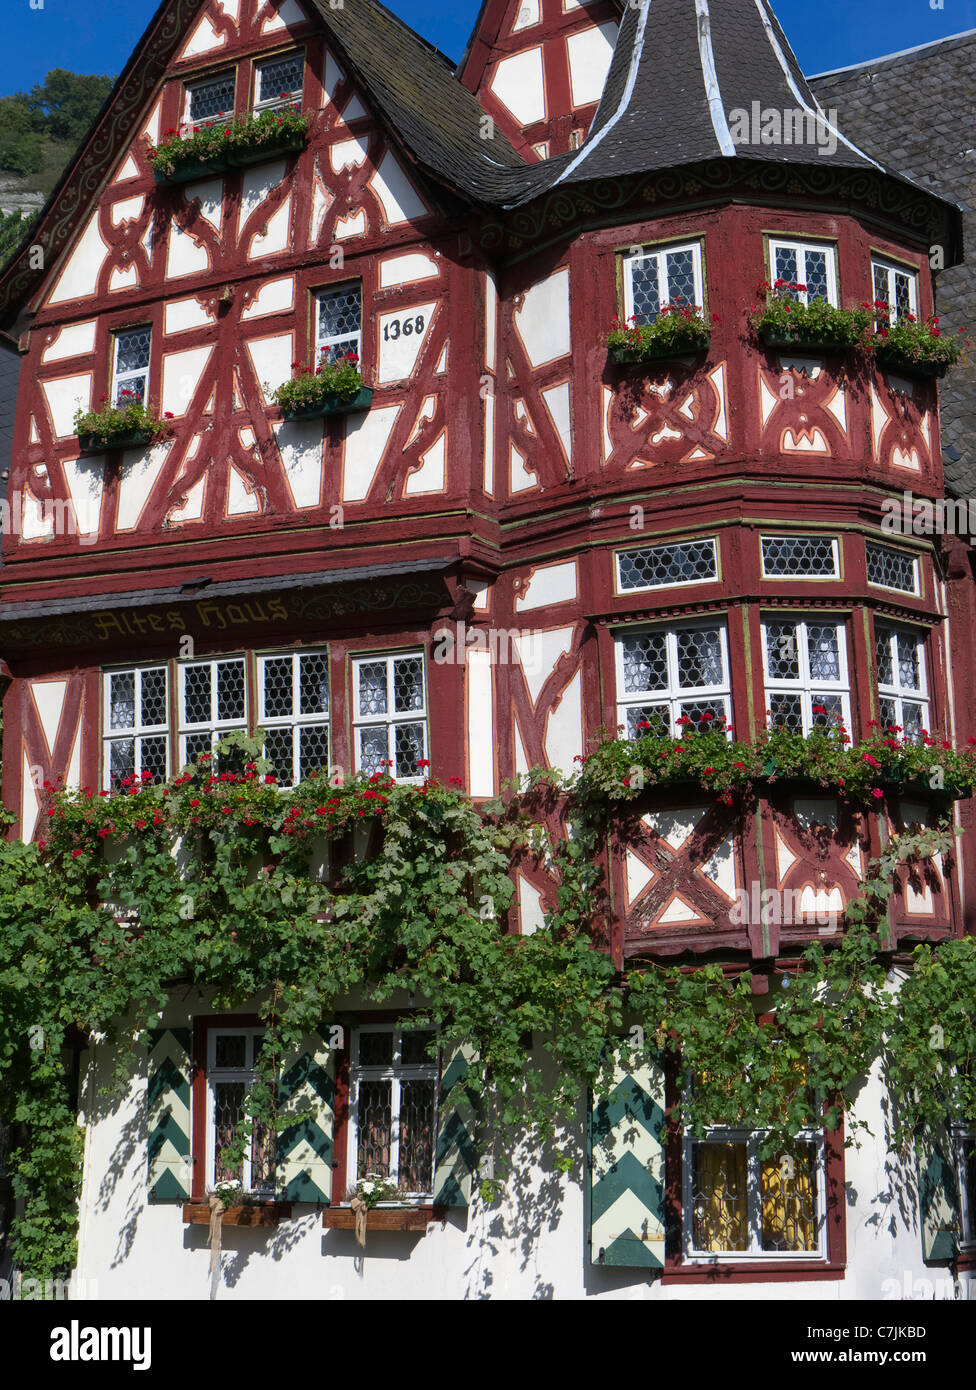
(212, 705)
(892, 569)
(685, 672)
(339, 323)
(653, 278)
(294, 713)
(805, 665)
(902, 686)
(280, 82)
(661, 566)
(801, 263)
(130, 381)
(800, 557)
(210, 99)
(896, 287)
(393, 1108)
(231, 1058)
(390, 715)
(737, 1203)
(136, 722)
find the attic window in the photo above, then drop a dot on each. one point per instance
(210, 99)
(338, 322)
(131, 366)
(653, 278)
(279, 82)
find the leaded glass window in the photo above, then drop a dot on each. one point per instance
(902, 687)
(211, 100)
(803, 263)
(965, 1144)
(805, 664)
(130, 378)
(212, 704)
(135, 723)
(231, 1059)
(279, 82)
(740, 1205)
(892, 569)
(800, 557)
(662, 566)
(390, 714)
(653, 278)
(896, 287)
(293, 702)
(393, 1107)
(669, 675)
(339, 323)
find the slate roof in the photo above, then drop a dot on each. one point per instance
(917, 110)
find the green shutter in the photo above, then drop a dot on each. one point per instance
(938, 1198)
(626, 1161)
(168, 1104)
(457, 1116)
(304, 1153)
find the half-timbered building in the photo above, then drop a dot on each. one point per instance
(704, 536)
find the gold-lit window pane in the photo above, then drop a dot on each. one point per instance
(720, 1220)
(789, 1201)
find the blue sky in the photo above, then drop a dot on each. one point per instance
(98, 36)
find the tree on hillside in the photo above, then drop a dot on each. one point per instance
(59, 110)
(14, 227)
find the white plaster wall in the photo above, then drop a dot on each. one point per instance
(531, 1244)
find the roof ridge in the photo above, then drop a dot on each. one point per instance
(893, 57)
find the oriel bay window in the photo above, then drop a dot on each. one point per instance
(135, 723)
(393, 1084)
(807, 264)
(738, 1205)
(390, 714)
(902, 686)
(805, 665)
(896, 286)
(668, 674)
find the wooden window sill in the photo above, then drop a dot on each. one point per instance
(254, 1214)
(775, 1272)
(383, 1218)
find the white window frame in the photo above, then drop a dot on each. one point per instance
(138, 730)
(660, 254)
(294, 721)
(675, 695)
(217, 728)
(351, 341)
(671, 583)
(210, 81)
(804, 685)
(891, 269)
(800, 248)
(755, 1254)
(277, 103)
(395, 1072)
(215, 1074)
(896, 691)
(797, 574)
(389, 719)
(964, 1137)
(904, 554)
(119, 379)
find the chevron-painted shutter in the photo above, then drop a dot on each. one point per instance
(457, 1117)
(168, 1103)
(626, 1156)
(938, 1198)
(304, 1166)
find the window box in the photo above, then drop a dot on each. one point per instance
(382, 1218)
(245, 155)
(772, 336)
(266, 1214)
(925, 369)
(193, 169)
(331, 405)
(656, 352)
(112, 443)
